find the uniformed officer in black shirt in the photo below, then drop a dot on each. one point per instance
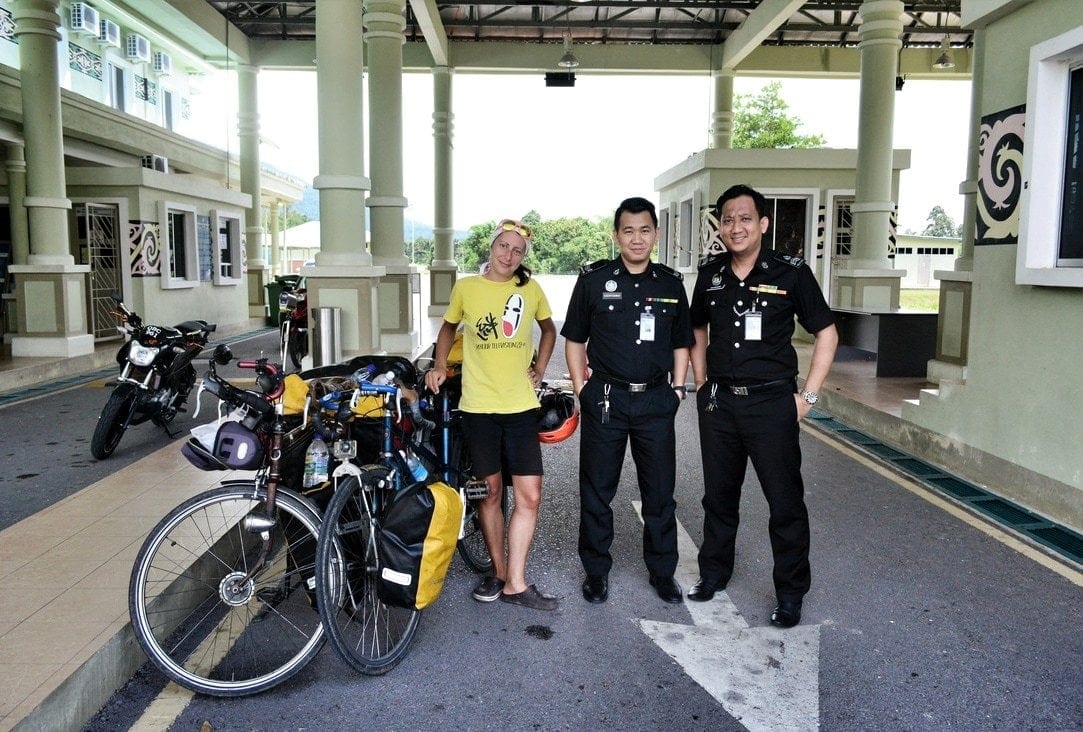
(745, 368)
(629, 318)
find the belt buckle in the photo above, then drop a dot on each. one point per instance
(636, 388)
(739, 390)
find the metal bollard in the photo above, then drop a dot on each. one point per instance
(326, 349)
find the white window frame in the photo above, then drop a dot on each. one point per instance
(233, 221)
(191, 260)
(1048, 86)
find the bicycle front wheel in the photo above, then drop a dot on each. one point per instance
(196, 612)
(368, 634)
(472, 547)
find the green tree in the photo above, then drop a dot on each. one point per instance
(564, 245)
(760, 121)
(293, 217)
(419, 251)
(940, 224)
(561, 246)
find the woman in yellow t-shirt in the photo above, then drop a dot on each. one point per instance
(498, 309)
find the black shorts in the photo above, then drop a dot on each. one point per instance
(503, 442)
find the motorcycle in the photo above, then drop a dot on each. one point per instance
(156, 376)
(293, 308)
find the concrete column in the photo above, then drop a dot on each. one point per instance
(15, 165)
(50, 289)
(276, 237)
(256, 268)
(722, 117)
(969, 187)
(956, 286)
(443, 271)
(384, 25)
(871, 283)
(343, 276)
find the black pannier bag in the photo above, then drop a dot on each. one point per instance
(404, 370)
(416, 542)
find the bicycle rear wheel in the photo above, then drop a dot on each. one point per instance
(197, 618)
(368, 634)
(472, 547)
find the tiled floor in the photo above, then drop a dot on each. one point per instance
(65, 570)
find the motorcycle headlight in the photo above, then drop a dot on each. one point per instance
(141, 355)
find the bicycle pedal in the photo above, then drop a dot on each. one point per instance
(476, 490)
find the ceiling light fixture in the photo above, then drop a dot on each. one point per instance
(568, 60)
(944, 60)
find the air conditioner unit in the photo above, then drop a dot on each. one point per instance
(138, 48)
(109, 33)
(156, 162)
(84, 19)
(163, 64)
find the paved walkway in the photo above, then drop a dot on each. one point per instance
(65, 643)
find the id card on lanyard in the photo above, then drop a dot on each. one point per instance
(646, 326)
(753, 326)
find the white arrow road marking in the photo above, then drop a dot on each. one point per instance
(767, 677)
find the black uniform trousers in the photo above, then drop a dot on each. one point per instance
(644, 419)
(763, 427)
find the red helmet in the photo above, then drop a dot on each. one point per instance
(558, 416)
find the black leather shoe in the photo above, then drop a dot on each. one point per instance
(596, 588)
(667, 589)
(786, 615)
(704, 590)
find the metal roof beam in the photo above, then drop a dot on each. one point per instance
(432, 28)
(764, 20)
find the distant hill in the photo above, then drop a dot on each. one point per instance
(309, 206)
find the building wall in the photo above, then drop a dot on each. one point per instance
(1023, 396)
(819, 174)
(921, 256)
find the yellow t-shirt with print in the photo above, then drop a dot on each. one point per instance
(498, 342)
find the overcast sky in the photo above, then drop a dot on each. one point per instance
(569, 152)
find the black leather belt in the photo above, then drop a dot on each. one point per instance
(631, 385)
(751, 388)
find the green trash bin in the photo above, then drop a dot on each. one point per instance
(275, 313)
(274, 291)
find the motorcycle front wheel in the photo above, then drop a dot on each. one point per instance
(196, 612)
(113, 420)
(297, 346)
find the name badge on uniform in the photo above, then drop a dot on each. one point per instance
(753, 326)
(646, 327)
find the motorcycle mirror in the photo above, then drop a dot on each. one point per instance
(222, 355)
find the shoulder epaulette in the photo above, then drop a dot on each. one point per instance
(789, 259)
(668, 270)
(593, 266)
(708, 260)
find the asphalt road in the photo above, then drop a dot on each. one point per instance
(920, 617)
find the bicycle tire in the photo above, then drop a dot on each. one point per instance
(211, 637)
(110, 426)
(297, 346)
(368, 634)
(472, 547)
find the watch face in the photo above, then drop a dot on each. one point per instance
(810, 397)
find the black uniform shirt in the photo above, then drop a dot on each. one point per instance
(778, 287)
(605, 312)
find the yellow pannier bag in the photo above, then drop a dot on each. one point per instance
(416, 543)
(295, 395)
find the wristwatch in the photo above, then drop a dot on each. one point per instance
(810, 397)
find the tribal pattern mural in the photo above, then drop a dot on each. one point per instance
(1000, 178)
(710, 233)
(144, 250)
(7, 26)
(84, 61)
